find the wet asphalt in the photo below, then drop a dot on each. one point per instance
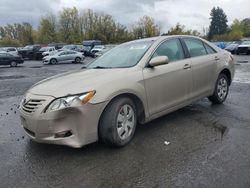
(209, 145)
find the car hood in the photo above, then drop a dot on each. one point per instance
(76, 82)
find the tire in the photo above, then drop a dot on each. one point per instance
(221, 90)
(77, 60)
(115, 129)
(53, 61)
(13, 64)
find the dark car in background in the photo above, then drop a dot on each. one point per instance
(57, 46)
(244, 48)
(69, 47)
(10, 59)
(87, 51)
(89, 45)
(29, 51)
(233, 47)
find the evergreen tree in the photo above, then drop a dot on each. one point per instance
(246, 27)
(218, 25)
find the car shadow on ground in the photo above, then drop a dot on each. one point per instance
(8, 67)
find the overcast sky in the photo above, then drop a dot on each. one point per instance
(194, 14)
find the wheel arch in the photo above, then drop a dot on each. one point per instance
(228, 74)
(140, 108)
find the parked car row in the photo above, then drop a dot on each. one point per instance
(92, 48)
(236, 47)
(57, 52)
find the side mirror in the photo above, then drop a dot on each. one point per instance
(159, 60)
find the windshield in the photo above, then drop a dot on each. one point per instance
(87, 48)
(68, 47)
(44, 49)
(125, 55)
(246, 43)
(98, 47)
(232, 45)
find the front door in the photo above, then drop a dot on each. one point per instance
(168, 85)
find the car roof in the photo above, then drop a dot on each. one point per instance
(165, 37)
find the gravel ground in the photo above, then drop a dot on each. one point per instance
(209, 144)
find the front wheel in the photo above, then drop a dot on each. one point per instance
(53, 61)
(221, 90)
(13, 64)
(118, 122)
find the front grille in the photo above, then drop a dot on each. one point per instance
(32, 105)
(242, 49)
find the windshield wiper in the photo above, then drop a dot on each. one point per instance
(100, 67)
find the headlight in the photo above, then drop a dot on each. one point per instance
(69, 101)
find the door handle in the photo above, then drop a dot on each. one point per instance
(216, 58)
(187, 66)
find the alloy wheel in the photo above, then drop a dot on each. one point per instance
(125, 121)
(222, 88)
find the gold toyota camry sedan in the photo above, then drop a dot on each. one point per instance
(133, 83)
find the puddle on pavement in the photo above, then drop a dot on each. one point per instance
(12, 77)
(221, 128)
(36, 67)
(243, 61)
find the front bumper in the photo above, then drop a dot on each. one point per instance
(46, 61)
(81, 122)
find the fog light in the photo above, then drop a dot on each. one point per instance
(63, 134)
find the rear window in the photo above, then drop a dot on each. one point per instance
(209, 49)
(195, 47)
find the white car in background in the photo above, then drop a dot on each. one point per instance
(10, 50)
(66, 56)
(49, 51)
(97, 48)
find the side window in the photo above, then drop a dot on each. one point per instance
(12, 49)
(171, 48)
(209, 49)
(195, 47)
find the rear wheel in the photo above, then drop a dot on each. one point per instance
(13, 64)
(221, 90)
(53, 61)
(118, 122)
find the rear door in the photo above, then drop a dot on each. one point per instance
(62, 57)
(168, 85)
(2, 59)
(203, 62)
(5, 60)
